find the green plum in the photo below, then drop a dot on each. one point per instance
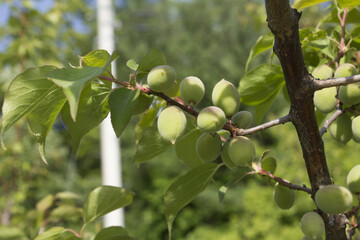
(171, 123)
(161, 78)
(226, 96)
(333, 199)
(192, 90)
(211, 119)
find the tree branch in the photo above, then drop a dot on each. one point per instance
(334, 82)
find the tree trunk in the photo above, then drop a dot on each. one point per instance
(283, 21)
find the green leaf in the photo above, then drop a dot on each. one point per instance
(45, 203)
(185, 148)
(113, 233)
(72, 81)
(299, 4)
(186, 188)
(324, 46)
(348, 4)
(25, 92)
(355, 34)
(310, 34)
(146, 121)
(57, 233)
(262, 44)
(260, 83)
(152, 59)
(263, 108)
(93, 109)
(132, 64)
(105, 199)
(150, 145)
(223, 189)
(122, 102)
(43, 116)
(353, 16)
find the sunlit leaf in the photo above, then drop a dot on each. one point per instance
(132, 64)
(105, 199)
(185, 188)
(152, 59)
(348, 4)
(263, 43)
(260, 83)
(93, 109)
(122, 102)
(11, 233)
(145, 122)
(299, 4)
(73, 80)
(57, 233)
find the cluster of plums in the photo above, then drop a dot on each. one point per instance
(343, 128)
(172, 120)
(331, 199)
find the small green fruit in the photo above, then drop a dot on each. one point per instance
(161, 78)
(171, 123)
(269, 164)
(323, 72)
(225, 156)
(226, 97)
(333, 199)
(284, 197)
(242, 119)
(325, 100)
(353, 180)
(211, 119)
(312, 225)
(208, 146)
(350, 94)
(340, 129)
(241, 151)
(143, 103)
(192, 90)
(355, 128)
(345, 70)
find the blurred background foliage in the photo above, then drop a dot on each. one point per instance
(207, 38)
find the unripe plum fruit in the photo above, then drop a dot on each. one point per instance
(171, 123)
(211, 119)
(225, 156)
(349, 94)
(242, 119)
(241, 151)
(161, 78)
(345, 70)
(355, 128)
(269, 164)
(312, 225)
(144, 103)
(226, 97)
(323, 72)
(284, 197)
(208, 146)
(325, 100)
(333, 199)
(192, 90)
(340, 129)
(353, 180)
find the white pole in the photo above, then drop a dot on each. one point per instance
(110, 145)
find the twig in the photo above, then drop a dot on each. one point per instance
(284, 182)
(334, 82)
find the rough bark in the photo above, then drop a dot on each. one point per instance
(283, 21)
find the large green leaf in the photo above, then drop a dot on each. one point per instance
(185, 188)
(263, 43)
(27, 91)
(57, 233)
(145, 122)
(299, 4)
(11, 233)
(257, 85)
(122, 102)
(43, 116)
(93, 109)
(152, 59)
(72, 81)
(185, 147)
(105, 199)
(262, 108)
(113, 233)
(353, 16)
(150, 145)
